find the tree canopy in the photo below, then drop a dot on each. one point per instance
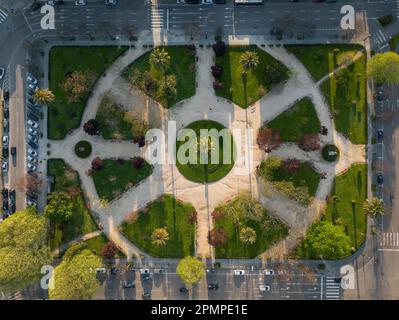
(190, 270)
(75, 278)
(328, 240)
(60, 207)
(23, 250)
(374, 207)
(384, 67)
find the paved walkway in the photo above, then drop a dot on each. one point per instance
(83, 237)
(205, 105)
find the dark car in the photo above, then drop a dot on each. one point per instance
(146, 296)
(5, 153)
(12, 195)
(32, 116)
(6, 95)
(4, 193)
(380, 178)
(13, 151)
(213, 286)
(33, 145)
(380, 134)
(128, 285)
(183, 290)
(6, 113)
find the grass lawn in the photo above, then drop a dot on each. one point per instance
(64, 116)
(182, 65)
(297, 121)
(118, 176)
(111, 119)
(206, 172)
(394, 41)
(305, 177)
(320, 60)
(234, 248)
(95, 244)
(244, 93)
(82, 222)
(350, 192)
(169, 213)
(347, 100)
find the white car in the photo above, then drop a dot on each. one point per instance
(5, 141)
(31, 159)
(33, 138)
(207, 1)
(264, 288)
(50, 3)
(32, 87)
(31, 167)
(239, 272)
(2, 73)
(111, 2)
(4, 166)
(269, 272)
(33, 132)
(80, 2)
(32, 152)
(145, 271)
(33, 124)
(31, 80)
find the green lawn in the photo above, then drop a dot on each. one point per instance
(118, 176)
(64, 116)
(347, 100)
(320, 60)
(297, 121)
(244, 93)
(305, 177)
(169, 213)
(82, 222)
(182, 65)
(95, 244)
(345, 206)
(206, 172)
(234, 248)
(111, 119)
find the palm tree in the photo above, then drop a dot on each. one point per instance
(249, 60)
(43, 96)
(159, 237)
(160, 58)
(374, 207)
(247, 235)
(206, 145)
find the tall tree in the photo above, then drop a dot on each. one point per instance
(60, 207)
(328, 240)
(247, 235)
(384, 67)
(374, 207)
(43, 96)
(75, 278)
(190, 270)
(23, 250)
(249, 60)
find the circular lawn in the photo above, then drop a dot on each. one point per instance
(83, 149)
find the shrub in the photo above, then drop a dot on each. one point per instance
(217, 71)
(192, 217)
(385, 20)
(83, 149)
(97, 163)
(217, 214)
(108, 250)
(217, 85)
(91, 127)
(219, 48)
(310, 142)
(217, 237)
(268, 139)
(330, 152)
(299, 194)
(138, 162)
(291, 165)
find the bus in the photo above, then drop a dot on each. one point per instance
(248, 2)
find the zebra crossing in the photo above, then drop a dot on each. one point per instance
(15, 296)
(389, 239)
(157, 18)
(380, 37)
(333, 289)
(3, 16)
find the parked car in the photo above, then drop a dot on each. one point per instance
(80, 2)
(111, 2)
(380, 178)
(145, 271)
(264, 288)
(31, 159)
(147, 277)
(30, 78)
(2, 73)
(33, 124)
(14, 156)
(32, 152)
(32, 87)
(269, 272)
(33, 144)
(31, 167)
(35, 139)
(239, 272)
(183, 290)
(5, 140)
(5, 153)
(6, 113)
(12, 195)
(32, 116)
(213, 286)
(31, 202)
(380, 134)
(6, 95)
(127, 285)
(4, 166)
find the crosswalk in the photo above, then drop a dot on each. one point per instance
(389, 239)
(3, 16)
(333, 289)
(380, 37)
(157, 18)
